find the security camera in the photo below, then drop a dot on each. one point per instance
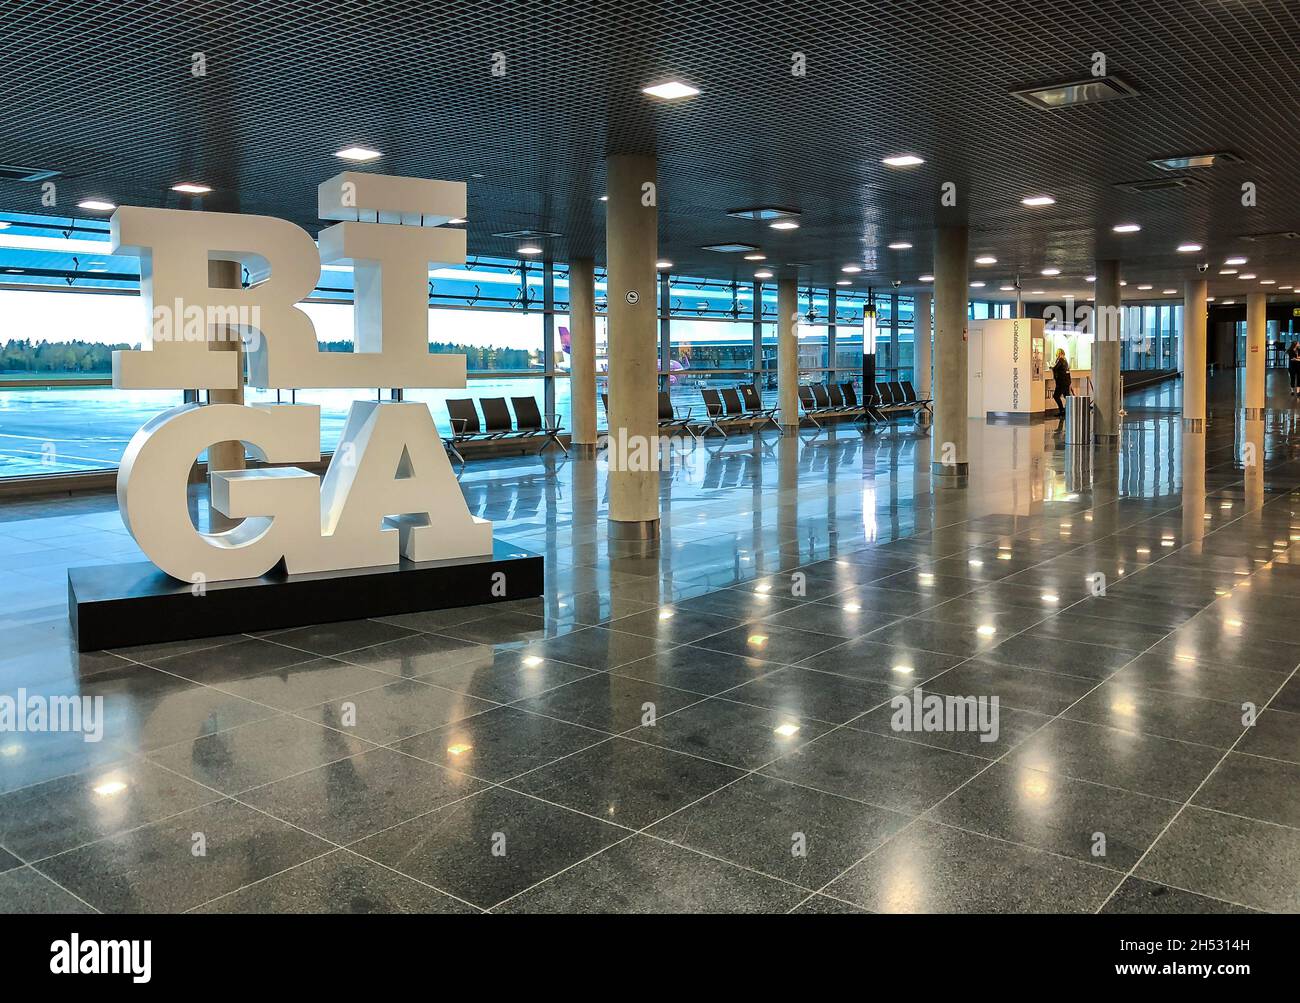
(1203, 267)
(896, 283)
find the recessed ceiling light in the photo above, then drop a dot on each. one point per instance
(763, 212)
(457, 220)
(1188, 248)
(1229, 302)
(190, 188)
(530, 249)
(903, 160)
(1286, 287)
(1123, 282)
(1049, 272)
(755, 257)
(1091, 278)
(1007, 289)
(1126, 228)
(844, 282)
(1235, 261)
(663, 264)
(977, 285)
(1037, 292)
(1144, 288)
(729, 248)
(1182, 163)
(1037, 200)
(926, 278)
(784, 224)
(1247, 275)
(358, 153)
(851, 269)
(900, 245)
(1076, 92)
(1209, 299)
(1268, 282)
(96, 205)
(1168, 292)
(763, 274)
(1227, 271)
(986, 259)
(671, 90)
(604, 198)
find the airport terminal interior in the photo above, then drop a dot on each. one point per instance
(897, 402)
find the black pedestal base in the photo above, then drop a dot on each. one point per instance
(117, 605)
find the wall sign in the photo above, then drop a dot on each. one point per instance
(389, 491)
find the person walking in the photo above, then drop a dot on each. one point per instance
(1293, 367)
(1061, 371)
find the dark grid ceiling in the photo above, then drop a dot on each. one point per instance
(103, 92)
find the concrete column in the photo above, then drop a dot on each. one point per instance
(1252, 462)
(1193, 354)
(787, 354)
(1193, 483)
(921, 338)
(951, 289)
(225, 455)
(631, 246)
(1107, 334)
(1256, 354)
(582, 354)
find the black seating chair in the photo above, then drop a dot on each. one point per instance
(754, 406)
(812, 410)
(719, 414)
(528, 421)
(670, 420)
(910, 395)
(868, 406)
(465, 427)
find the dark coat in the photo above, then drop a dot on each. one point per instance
(1061, 370)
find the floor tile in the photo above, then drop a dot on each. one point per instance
(1138, 897)
(500, 743)
(338, 883)
(39, 821)
(1146, 764)
(1013, 727)
(28, 892)
(224, 662)
(1275, 734)
(806, 693)
(335, 638)
(257, 753)
(1071, 658)
(306, 684)
(931, 868)
(784, 645)
(672, 624)
(1014, 686)
(822, 905)
(867, 659)
(491, 846)
(800, 835)
(180, 862)
(1263, 789)
(598, 648)
(414, 655)
(644, 875)
(628, 783)
(610, 703)
(739, 735)
(1055, 813)
(399, 710)
(351, 798)
(1255, 864)
(695, 669)
(504, 676)
(878, 769)
(1120, 704)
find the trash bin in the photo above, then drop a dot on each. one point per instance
(1078, 420)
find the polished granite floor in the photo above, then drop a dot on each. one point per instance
(710, 728)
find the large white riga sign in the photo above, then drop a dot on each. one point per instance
(389, 490)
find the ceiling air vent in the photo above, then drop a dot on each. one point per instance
(1153, 184)
(527, 234)
(1075, 92)
(764, 212)
(729, 248)
(1260, 238)
(11, 172)
(1189, 160)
